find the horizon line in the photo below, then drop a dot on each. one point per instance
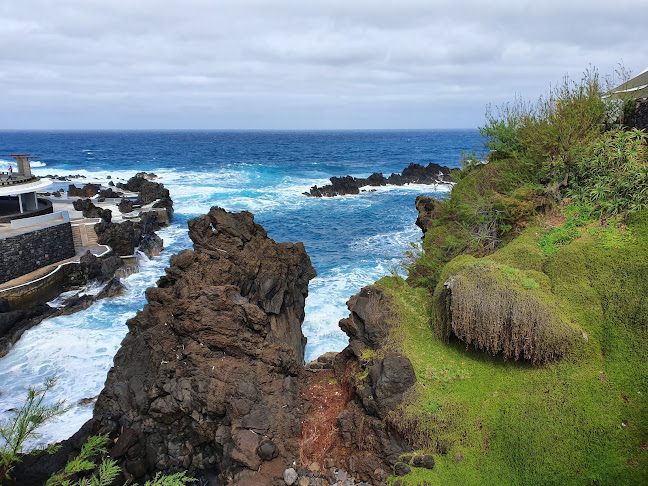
(227, 129)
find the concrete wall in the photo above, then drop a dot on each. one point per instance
(45, 218)
(44, 207)
(27, 252)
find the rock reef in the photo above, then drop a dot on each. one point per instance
(412, 174)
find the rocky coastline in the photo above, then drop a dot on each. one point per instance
(412, 174)
(211, 377)
(124, 239)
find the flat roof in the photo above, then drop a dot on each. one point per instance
(16, 189)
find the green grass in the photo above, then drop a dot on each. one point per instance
(582, 420)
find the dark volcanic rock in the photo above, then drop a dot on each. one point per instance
(125, 206)
(425, 207)
(89, 190)
(124, 237)
(151, 245)
(148, 190)
(206, 379)
(121, 237)
(372, 444)
(419, 460)
(109, 193)
(412, 174)
(367, 322)
(91, 211)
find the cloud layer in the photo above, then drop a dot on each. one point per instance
(296, 64)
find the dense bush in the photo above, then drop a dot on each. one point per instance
(612, 176)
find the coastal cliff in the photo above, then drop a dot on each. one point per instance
(207, 378)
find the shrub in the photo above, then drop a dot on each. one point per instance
(501, 309)
(612, 178)
(16, 432)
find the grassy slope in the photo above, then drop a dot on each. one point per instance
(582, 420)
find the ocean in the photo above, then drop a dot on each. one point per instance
(351, 240)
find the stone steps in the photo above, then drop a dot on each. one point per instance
(76, 236)
(84, 235)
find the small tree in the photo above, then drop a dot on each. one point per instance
(565, 123)
(22, 427)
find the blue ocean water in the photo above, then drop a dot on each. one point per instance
(352, 240)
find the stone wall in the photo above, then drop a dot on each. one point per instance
(27, 252)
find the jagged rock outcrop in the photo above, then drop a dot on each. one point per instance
(151, 245)
(88, 190)
(207, 377)
(124, 237)
(125, 206)
(89, 210)
(371, 444)
(425, 207)
(109, 193)
(412, 174)
(148, 191)
(121, 237)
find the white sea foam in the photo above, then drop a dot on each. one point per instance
(326, 304)
(422, 188)
(78, 348)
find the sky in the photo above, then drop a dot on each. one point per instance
(306, 64)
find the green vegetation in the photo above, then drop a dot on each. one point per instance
(90, 467)
(539, 258)
(84, 463)
(16, 432)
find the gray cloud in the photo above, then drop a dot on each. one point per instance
(296, 64)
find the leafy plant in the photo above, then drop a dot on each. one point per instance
(17, 431)
(613, 176)
(84, 462)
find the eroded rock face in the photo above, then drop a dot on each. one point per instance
(206, 379)
(372, 446)
(425, 207)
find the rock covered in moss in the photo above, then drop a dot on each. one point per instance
(502, 310)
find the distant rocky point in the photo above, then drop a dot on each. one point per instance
(412, 174)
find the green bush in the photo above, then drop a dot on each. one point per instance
(23, 427)
(612, 177)
(90, 467)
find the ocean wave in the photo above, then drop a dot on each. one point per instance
(326, 303)
(79, 348)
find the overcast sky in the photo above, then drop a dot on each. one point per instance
(297, 64)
